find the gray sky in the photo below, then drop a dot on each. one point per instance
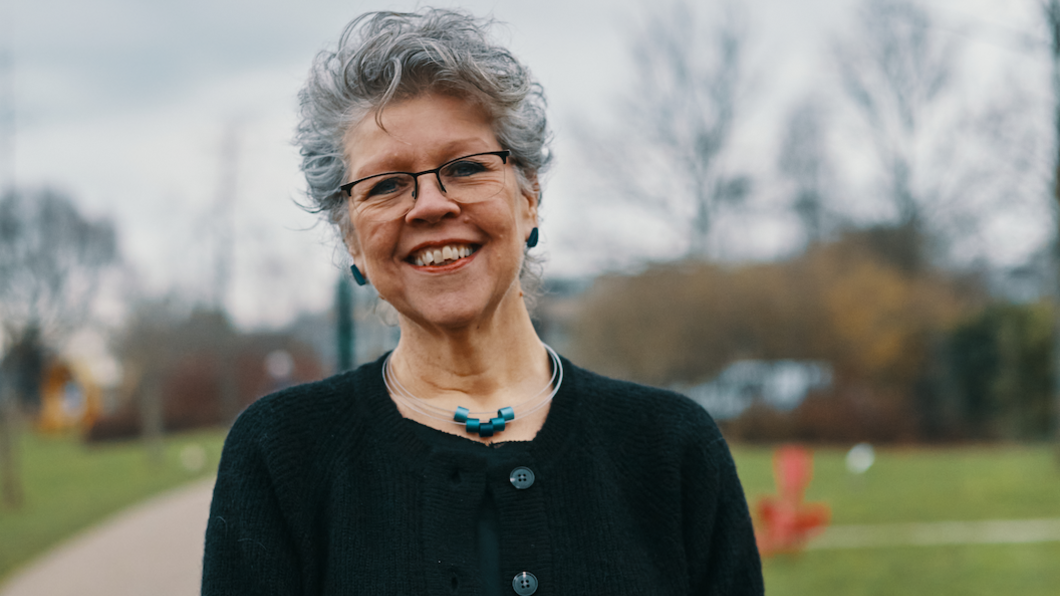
(124, 103)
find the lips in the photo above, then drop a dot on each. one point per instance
(441, 255)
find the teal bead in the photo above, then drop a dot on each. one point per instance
(485, 429)
(472, 425)
(507, 413)
(497, 424)
(461, 414)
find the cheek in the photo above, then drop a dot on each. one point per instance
(377, 241)
(351, 234)
(353, 242)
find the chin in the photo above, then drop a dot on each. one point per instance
(453, 319)
(454, 310)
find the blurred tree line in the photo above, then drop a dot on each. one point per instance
(892, 284)
(916, 354)
(1001, 360)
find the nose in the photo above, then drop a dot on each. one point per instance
(431, 204)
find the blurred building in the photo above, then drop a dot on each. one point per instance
(199, 372)
(780, 384)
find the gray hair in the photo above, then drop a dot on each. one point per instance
(390, 56)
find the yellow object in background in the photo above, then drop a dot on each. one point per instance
(69, 398)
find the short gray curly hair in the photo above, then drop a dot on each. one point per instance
(391, 56)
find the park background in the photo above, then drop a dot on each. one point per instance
(831, 222)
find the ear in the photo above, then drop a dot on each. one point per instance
(532, 196)
(352, 242)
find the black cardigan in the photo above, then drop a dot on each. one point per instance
(325, 488)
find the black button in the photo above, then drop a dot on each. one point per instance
(521, 478)
(524, 584)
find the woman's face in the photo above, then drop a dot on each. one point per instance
(422, 134)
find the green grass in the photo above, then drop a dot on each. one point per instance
(70, 485)
(973, 570)
(921, 485)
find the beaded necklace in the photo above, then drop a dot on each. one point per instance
(477, 422)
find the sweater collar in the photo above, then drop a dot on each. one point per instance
(390, 427)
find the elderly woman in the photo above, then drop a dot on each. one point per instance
(472, 459)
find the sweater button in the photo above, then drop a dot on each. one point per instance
(522, 478)
(524, 584)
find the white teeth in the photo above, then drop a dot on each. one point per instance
(440, 256)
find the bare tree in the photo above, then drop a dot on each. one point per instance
(51, 258)
(51, 261)
(805, 161)
(896, 70)
(677, 121)
(943, 166)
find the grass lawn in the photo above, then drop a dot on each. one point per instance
(922, 485)
(70, 485)
(971, 570)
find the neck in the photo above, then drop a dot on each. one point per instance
(482, 367)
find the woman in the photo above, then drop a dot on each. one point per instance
(472, 459)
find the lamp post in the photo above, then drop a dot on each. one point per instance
(345, 325)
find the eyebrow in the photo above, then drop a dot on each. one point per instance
(383, 165)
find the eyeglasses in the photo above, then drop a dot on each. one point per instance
(469, 179)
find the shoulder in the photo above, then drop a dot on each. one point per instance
(301, 402)
(628, 402)
(642, 417)
(300, 405)
(308, 420)
(665, 446)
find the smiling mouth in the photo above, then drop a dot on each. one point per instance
(441, 256)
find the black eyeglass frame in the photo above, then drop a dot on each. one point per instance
(348, 187)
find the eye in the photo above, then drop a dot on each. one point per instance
(464, 168)
(385, 186)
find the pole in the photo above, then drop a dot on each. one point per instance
(345, 327)
(228, 381)
(11, 492)
(1052, 19)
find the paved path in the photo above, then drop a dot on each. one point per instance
(995, 531)
(154, 548)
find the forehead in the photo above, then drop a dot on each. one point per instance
(417, 133)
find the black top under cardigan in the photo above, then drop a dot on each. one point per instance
(325, 488)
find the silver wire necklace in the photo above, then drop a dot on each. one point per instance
(483, 423)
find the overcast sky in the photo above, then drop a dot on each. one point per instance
(124, 104)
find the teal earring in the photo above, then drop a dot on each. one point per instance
(532, 240)
(358, 276)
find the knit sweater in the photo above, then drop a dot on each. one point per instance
(325, 488)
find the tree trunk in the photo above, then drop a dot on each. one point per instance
(11, 492)
(1052, 19)
(151, 415)
(1056, 305)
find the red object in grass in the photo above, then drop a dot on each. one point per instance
(786, 523)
